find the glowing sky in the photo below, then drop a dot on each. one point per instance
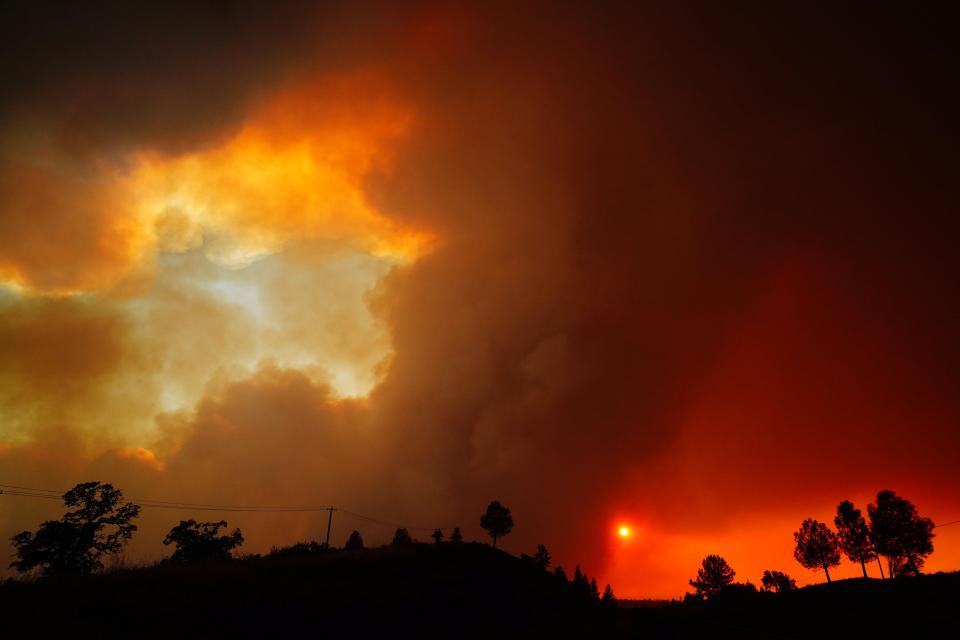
(691, 273)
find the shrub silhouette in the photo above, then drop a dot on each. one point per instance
(816, 546)
(496, 521)
(401, 538)
(900, 533)
(777, 581)
(354, 542)
(853, 535)
(437, 536)
(76, 543)
(713, 576)
(456, 537)
(200, 542)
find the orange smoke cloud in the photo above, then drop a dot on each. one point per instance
(294, 172)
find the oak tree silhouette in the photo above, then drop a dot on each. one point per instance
(853, 535)
(817, 546)
(713, 576)
(77, 542)
(496, 521)
(354, 542)
(201, 542)
(900, 533)
(777, 581)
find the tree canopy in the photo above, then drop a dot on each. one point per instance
(497, 521)
(900, 533)
(101, 524)
(713, 576)
(777, 581)
(401, 538)
(542, 557)
(853, 535)
(354, 542)
(200, 541)
(817, 546)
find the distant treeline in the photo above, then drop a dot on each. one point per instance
(895, 531)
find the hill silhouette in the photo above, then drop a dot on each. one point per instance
(428, 590)
(924, 606)
(467, 590)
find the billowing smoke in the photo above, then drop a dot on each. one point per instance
(687, 269)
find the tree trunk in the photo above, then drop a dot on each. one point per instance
(827, 571)
(863, 566)
(880, 564)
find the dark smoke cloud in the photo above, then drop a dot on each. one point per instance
(692, 264)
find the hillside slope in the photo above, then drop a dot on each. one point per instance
(468, 590)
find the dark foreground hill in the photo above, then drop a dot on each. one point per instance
(926, 606)
(429, 591)
(445, 591)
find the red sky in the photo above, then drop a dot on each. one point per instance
(688, 269)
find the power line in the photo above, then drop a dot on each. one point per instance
(51, 494)
(161, 504)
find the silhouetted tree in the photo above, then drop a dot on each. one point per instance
(401, 538)
(496, 521)
(542, 557)
(561, 573)
(456, 537)
(200, 541)
(437, 536)
(354, 542)
(608, 596)
(580, 581)
(900, 533)
(853, 535)
(816, 546)
(594, 589)
(77, 542)
(777, 581)
(713, 575)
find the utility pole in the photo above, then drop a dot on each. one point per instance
(329, 522)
